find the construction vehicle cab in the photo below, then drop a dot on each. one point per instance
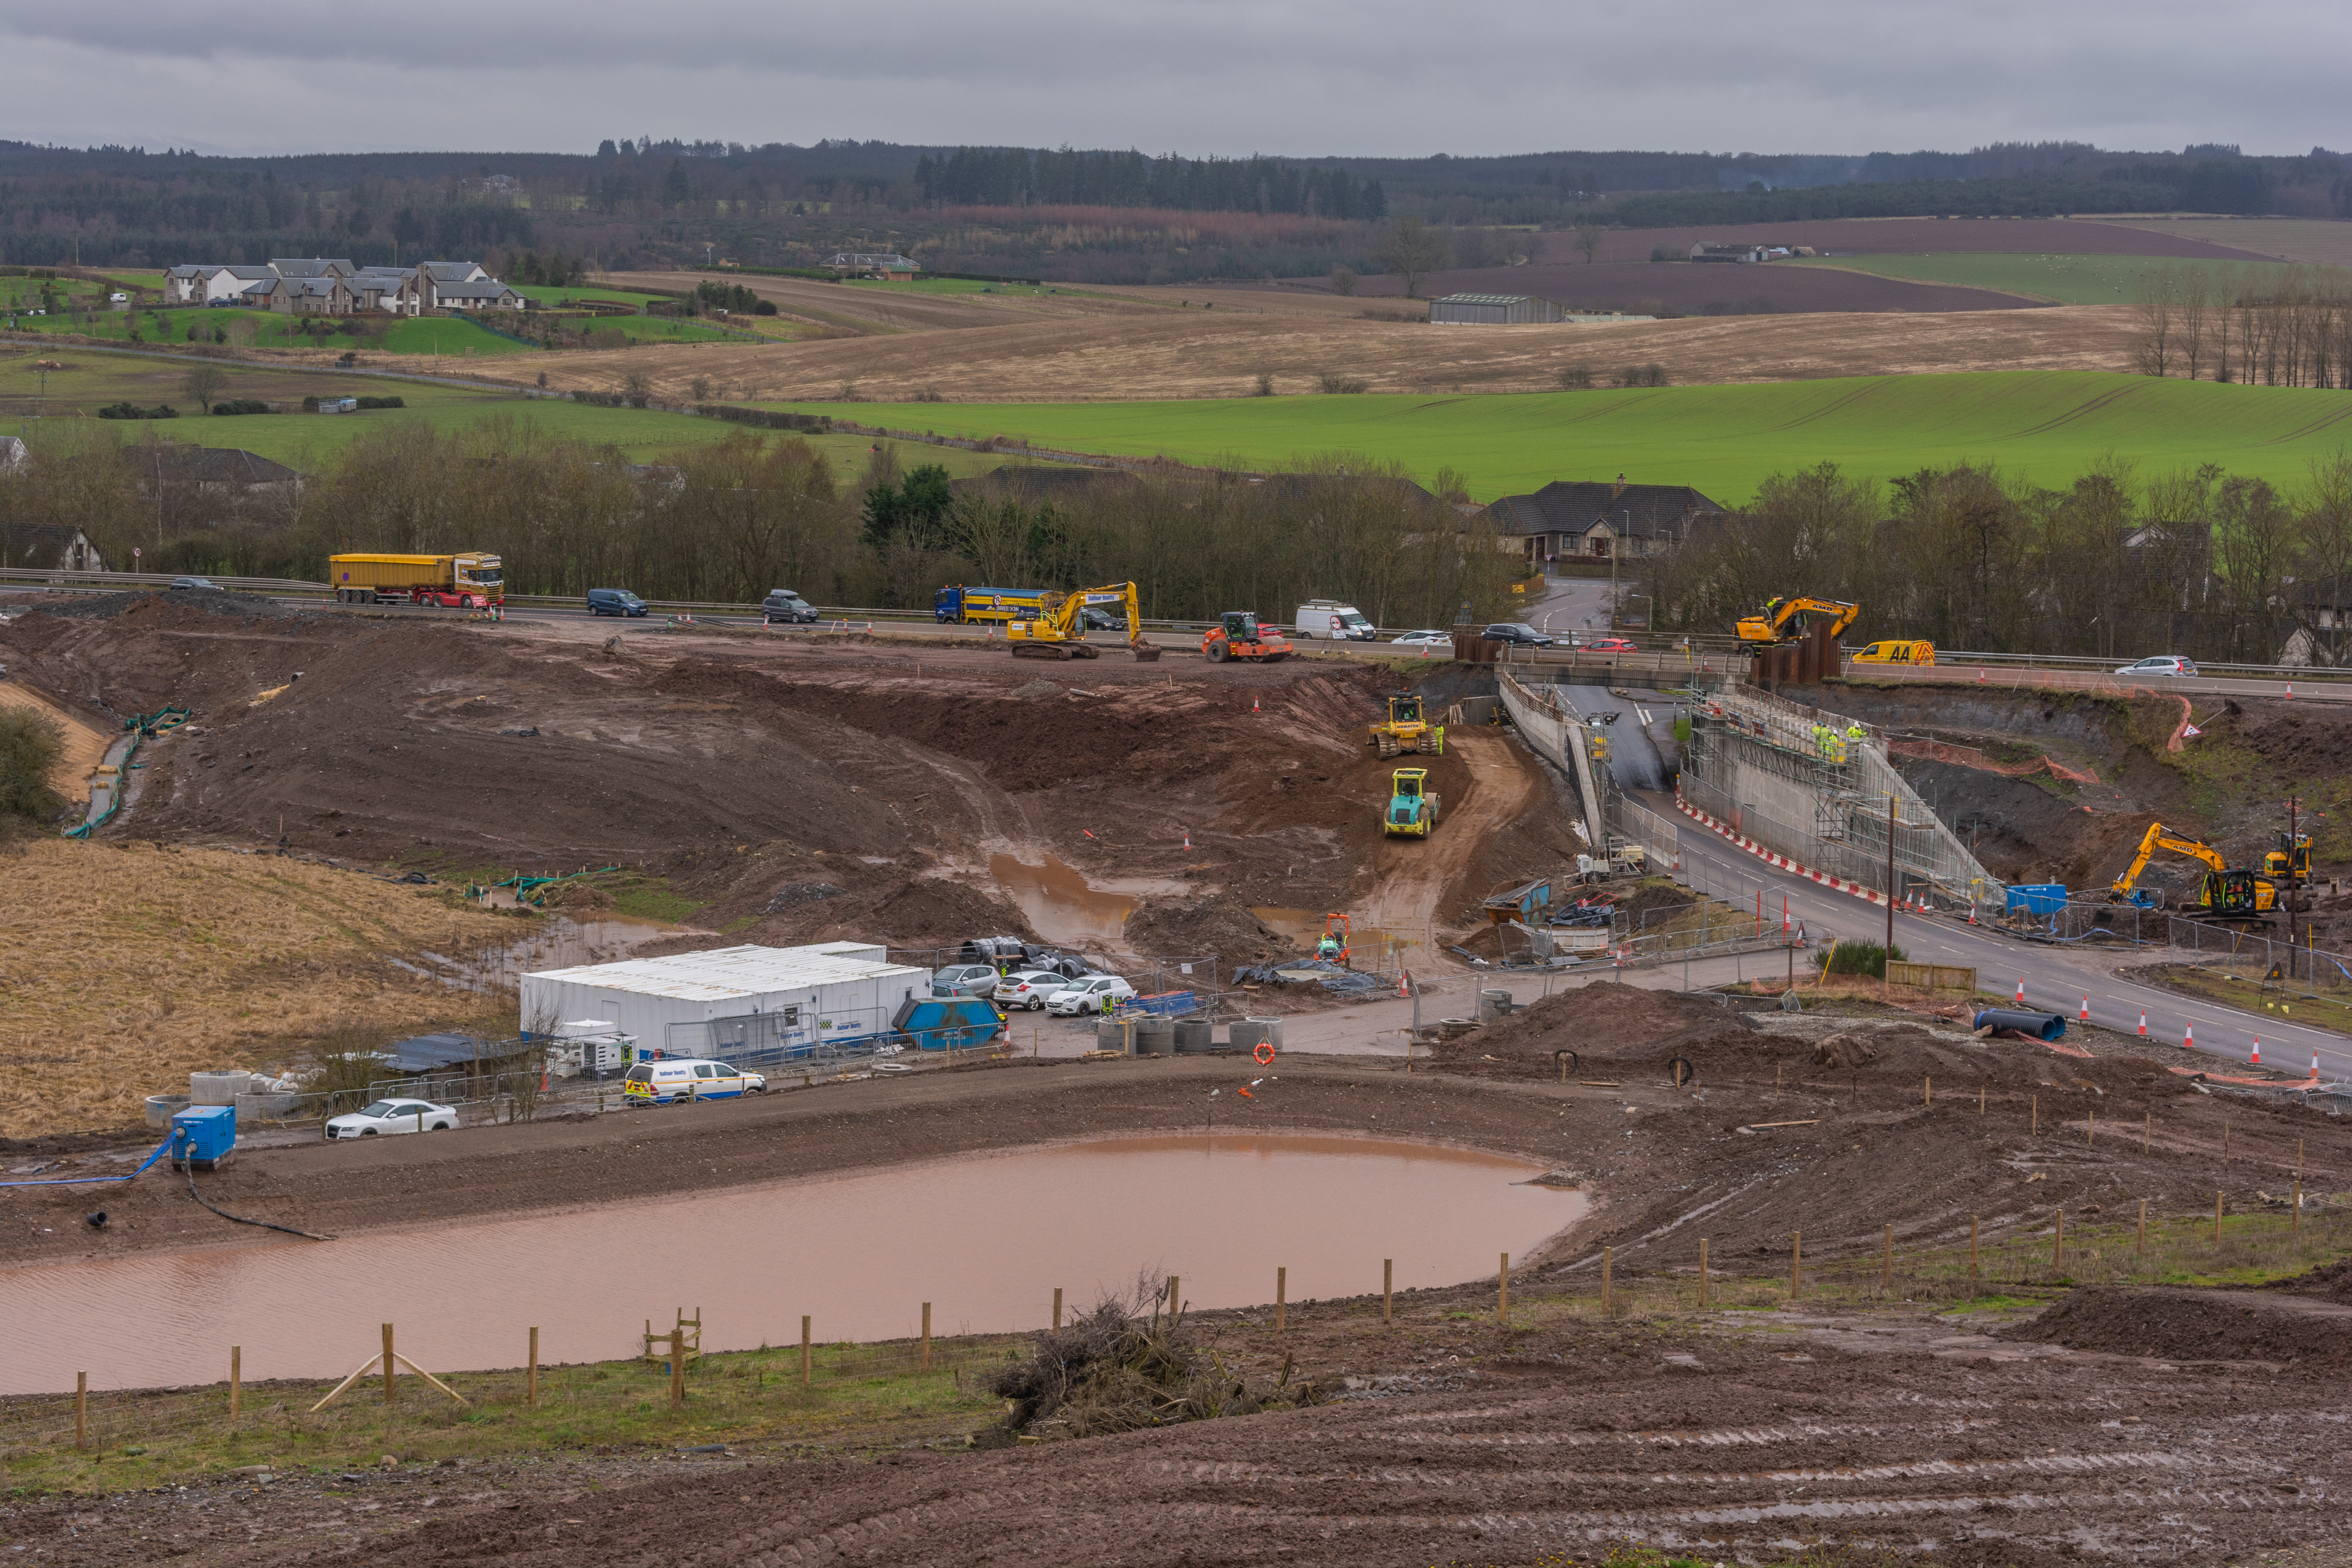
(1334, 946)
(1238, 635)
(1404, 730)
(1413, 810)
(1788, 620)
(2289, 859)
(1059, 630)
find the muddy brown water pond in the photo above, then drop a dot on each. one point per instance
(985, 1240)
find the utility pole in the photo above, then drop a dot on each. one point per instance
(2293, 805)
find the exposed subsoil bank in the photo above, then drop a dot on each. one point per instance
(788, 787)
(2225, 788)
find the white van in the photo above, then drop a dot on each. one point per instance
(1333, 620)
(690, 1079)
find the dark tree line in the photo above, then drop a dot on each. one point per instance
(1017, 176)
(2118, 564)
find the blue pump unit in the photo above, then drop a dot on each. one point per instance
(202, 1136)
(938, 1022)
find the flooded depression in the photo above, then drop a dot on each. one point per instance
(985, 1240)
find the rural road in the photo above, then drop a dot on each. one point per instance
(2056, 980)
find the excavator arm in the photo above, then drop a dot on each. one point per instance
(1784, 619)
(2159, 836)
(1059, 631)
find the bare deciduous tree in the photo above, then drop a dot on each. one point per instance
(1343, 281)
(1587, 244)
(2152, 350)
(1413, 250)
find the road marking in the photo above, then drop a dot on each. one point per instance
(1644, 712)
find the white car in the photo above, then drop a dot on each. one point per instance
(1428, 639)
(2162, 664)
(1029, 988)
(394, 1116)
(1094, 994)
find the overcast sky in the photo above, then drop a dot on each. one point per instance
(1372, 77)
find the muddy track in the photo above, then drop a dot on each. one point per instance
(1419, 877)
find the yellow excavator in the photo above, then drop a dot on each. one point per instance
(1060, 630)
(1787, 620)
(2228, 891)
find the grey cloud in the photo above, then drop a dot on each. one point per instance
(1199, 75)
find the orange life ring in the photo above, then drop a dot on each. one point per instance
(1265, 1053)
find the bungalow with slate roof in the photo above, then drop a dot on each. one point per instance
(1569, 518)
(223, 470)
(326, 295)
(311, 267)
(487, 294)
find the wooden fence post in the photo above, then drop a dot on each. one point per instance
(2091, 1132)
(387, 1364)
(676, 1368)
(1058, 1309)
(1796, 1263)
(804, 1349)
(81, 1410)
(2217, 1219)
(1503, 1292)
(1702, 1274)
(927, 1336)
(1281, 1290)
(1388, 1290)
(2035, 1111)
(530, 1378)
(235, 1379)
(1972, 1246)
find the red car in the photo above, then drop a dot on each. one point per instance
(1610, 645)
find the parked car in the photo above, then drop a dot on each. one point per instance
(690, 1079)
(784, 604)
(1029, 988)
(1517, 631)
(1094, 994)
(394, 1116)
(197, 583)
(615, 601)
(1426, 638)
(965, 980)
(1103, 620)
(2162, 664)
(1610, 645)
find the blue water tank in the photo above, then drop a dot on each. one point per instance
(202, 1136)
(2037, 897)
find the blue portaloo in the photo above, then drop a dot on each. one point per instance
(938, 1022)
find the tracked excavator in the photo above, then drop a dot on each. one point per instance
(2225, 892)
(1788, 620)
(1060, 630)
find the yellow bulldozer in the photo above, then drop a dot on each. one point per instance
(1404, 730)
(1060, 630)
(1788, 620)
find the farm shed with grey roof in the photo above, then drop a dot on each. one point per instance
(1493, 310)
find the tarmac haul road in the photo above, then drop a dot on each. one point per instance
(2056, 980)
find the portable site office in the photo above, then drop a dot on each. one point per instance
(743, 1004)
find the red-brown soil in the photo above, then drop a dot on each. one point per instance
(2287, 1331)
(743, 768)
(1455, 1439)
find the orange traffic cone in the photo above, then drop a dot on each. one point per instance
(2314, 1066)
(2189, 1037)
(2143, 1025)
(2258, 1051)
(2085, 1015)
(1254, 707)
(2021, 990)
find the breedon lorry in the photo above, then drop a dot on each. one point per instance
(471, 582)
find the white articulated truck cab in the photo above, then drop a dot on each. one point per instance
(1333, 620)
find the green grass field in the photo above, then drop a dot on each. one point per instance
(2067, 279)
(309, 441)
(2048, 426)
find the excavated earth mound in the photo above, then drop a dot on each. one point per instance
(2199, 1325)
(1218, 924)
